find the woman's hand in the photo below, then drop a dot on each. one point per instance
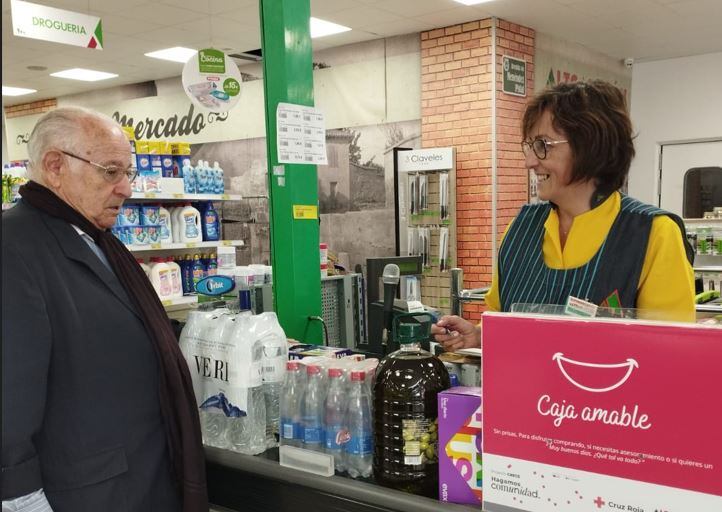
(455, 333)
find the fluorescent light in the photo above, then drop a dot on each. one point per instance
(175, 54)
(86, 75)
(16, 91)
(321, 28)
(472, 2)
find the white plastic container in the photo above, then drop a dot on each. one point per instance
(145, 267)
(166, 226)
(226, 257)
(175, 278)
(175, 223)
(190, 225)
(160, 277)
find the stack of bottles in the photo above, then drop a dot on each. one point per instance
(326, 406)
(236, 362)
(186, 271)
(163, 224)
(162, 159)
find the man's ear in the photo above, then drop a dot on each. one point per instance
(52, 167)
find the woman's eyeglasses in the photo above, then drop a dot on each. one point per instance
(539, 147)
(112, 173)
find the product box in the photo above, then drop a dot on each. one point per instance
(301, 351)
(460, 445)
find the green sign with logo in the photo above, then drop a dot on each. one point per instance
(211, 61)
(231, 86)
(57, 25)
(514, 76)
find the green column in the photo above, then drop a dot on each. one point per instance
(288, 78)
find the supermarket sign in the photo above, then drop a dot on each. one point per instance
(608, 415)
(37, 21)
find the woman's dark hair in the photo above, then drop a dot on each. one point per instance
(593, 117)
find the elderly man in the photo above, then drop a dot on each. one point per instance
(98, 411)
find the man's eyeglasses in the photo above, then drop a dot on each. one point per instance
(112, 173)
(539, 147)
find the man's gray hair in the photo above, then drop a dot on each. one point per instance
(61, 128)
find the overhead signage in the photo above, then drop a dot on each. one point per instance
(300, 135)
(212, 81)
(609, 415)
(37, 21)
(513, 76)
(435, 159)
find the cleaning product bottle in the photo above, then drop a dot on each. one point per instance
(161, 279)
(187, 274)
(218, 183)
(211, 231)
(197, 270)
(212, 265)
(189, 180)
(190, 225)
(165, 224)
(145, 267)
(176, 279)
(175, 223)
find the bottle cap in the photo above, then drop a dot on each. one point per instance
(409, 332)
(313, 369)
(358, 375)
(292, 366)
(334, 372)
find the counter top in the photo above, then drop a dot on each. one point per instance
(227, 472)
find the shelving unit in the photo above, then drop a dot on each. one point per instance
(189, 245)
(180, 301)
(164, 196)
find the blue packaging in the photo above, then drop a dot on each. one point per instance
(209, 223)
(166, 159)
(153, 234)
(149, 215)
(128, 235)
(140, 235)
(129, 215)
(204, 183)
(189, 179)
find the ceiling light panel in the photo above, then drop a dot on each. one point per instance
(86, 75)
(321, 28)
(16, 91)
(175, 54)
(472, 2)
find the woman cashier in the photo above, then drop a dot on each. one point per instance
(587, 240)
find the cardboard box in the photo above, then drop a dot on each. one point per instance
(460, 445)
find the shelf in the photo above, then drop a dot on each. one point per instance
(189, 245)
(708, 308)
(711, 268)
(180, 301)
(165, 196)
(703, 221)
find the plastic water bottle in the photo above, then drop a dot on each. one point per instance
(334, 420)
(312, 410)
(291, 397)
(275, 355)
(247, 433)
(359, 448)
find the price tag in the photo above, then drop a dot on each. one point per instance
(190, 245)
(225, 197)
(155, 246)
(177, 196)
(226, 243)
(150, 195)
(302, 211)
(166, 302)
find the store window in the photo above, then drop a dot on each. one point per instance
(702, 191)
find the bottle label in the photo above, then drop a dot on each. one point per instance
(359, 443)
(336, 437)
(312, 435)
(289, 430)
(190, 224)
(211, 226)
(274, 364)
(420, 441)
(175, 282)
(165, 285)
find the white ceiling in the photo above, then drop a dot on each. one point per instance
(642, 29)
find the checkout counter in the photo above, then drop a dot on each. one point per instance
(247, 483)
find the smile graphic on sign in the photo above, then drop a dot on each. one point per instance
(597, 378)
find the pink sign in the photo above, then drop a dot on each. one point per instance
(580, 399)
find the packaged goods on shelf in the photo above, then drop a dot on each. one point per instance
(302, 351)
(460, 466)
